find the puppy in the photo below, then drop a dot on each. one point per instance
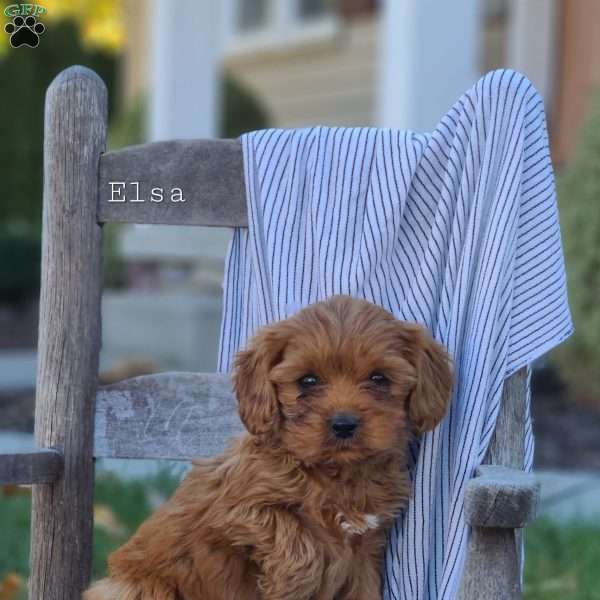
(297, 509)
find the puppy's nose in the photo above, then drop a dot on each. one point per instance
(343, 425)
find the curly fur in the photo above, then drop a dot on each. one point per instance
(289, 511)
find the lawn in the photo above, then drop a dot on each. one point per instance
(120, 506)
(562, 562)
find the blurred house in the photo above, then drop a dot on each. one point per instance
(398, 63)
(577, 73)
(320, 62)
(308, 63)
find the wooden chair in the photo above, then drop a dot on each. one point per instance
(170, 415)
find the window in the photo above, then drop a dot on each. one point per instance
(311, 9)
(252, 14)
(258, 25)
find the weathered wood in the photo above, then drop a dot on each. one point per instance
(507, 447)
(501, 497)
(37, 466)
(69, 332)
(168, 415)
(209, 173)
(492, 568)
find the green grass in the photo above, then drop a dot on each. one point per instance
(561, 562)
(128, 504)
(129, 501)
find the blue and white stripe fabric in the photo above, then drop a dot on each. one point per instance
(456, 229)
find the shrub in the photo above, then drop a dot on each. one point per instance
(241, 110)
(579, 197)
(25, 75)
(19, 268)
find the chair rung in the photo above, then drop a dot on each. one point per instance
(37, 466)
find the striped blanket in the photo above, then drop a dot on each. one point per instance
(456, 229)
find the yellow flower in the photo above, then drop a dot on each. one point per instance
(100, 23)
(10, 586)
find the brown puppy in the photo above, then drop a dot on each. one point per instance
(297, 509)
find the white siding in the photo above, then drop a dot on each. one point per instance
(329, 82)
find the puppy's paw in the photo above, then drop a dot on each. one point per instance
(357, 524)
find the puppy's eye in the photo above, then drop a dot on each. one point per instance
(378, 378)
(308, 380)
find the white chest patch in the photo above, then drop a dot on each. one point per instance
(358, 525)
(372, 521)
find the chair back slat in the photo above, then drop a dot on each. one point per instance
(166, 416)
(180, 182)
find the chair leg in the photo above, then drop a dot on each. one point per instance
(69, 333)
(493, 569)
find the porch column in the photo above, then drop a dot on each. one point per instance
(428, 58)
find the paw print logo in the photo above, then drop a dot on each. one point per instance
(24, 32)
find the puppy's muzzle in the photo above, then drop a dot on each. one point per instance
(344, 425)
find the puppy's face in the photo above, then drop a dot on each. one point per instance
(341, 381)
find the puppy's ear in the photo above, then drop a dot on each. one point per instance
(428, 401)
(256, 394)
